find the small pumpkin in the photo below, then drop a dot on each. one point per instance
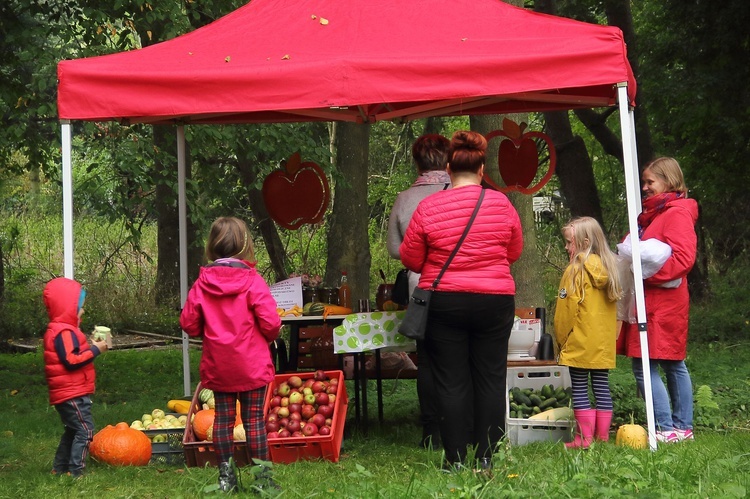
(121, 445)
(632, 435)
(202, 421)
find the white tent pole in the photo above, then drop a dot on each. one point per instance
(67, 181)
(182, 213)
(632, 183)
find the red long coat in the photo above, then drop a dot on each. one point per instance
(667, 308)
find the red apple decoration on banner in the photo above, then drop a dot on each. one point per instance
(518, 158)
(297, 193)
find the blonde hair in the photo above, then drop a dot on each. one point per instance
(589, 238)
(669, 171)
(229, 238)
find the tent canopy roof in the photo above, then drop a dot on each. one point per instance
(353, 60)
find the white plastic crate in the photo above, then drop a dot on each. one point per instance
(520, 431)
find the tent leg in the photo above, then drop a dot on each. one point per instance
(182, 213)
(632, 177)
(67, 181)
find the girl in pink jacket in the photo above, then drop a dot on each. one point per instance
(231, 307)
(472, 309)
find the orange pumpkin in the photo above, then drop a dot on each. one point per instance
(121, 445)
(202, 421)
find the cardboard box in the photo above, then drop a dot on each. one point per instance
(520, 431)
(328, 447)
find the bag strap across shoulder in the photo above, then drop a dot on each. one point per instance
(461, 240)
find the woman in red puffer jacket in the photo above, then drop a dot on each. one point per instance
(472, 309)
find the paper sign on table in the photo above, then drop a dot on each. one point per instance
(288, 293)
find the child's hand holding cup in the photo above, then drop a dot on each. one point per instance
(102, 338)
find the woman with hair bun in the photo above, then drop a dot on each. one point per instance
(473, 307)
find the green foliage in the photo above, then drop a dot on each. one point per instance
(707, 412)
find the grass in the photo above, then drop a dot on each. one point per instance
(385, 462)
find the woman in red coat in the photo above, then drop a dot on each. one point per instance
(668, 216)
(472, 310)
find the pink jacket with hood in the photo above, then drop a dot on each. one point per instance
(482, 264)
(233, 310)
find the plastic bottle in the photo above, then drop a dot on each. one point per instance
(345, 292)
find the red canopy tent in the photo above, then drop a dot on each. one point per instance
(361, 61)
(273, 61)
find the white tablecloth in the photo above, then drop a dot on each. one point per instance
(369, 331)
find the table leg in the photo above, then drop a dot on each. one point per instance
(379, 378)
(363, 381)
(293, 346)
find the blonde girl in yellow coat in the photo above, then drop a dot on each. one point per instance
(585, 326)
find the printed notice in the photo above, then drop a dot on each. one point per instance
(288, 293)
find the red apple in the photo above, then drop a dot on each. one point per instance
(294, 408)
(333, 381)
(320, 375)
(321, 398)
(318, 387)
(272, 435)
(295, 416)
(284, 433)
(275, 410)
(310, 429)
(308, 411)
(272, 418)
(284, 401)
(332, 388)
(272, 427)
(294, 381)
(308, 383)
(326, 410)
(284, 389)
(283, 422)
(331, 398)
(298, 434)
(324, 430)
(275, 401)
(293, 425)
(318, 419)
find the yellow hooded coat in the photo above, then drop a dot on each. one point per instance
(585, 318)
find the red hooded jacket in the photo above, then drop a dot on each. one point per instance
(233, 310)
(667, 308)
(68, 358)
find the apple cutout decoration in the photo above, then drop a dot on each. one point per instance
(518, 159)
(297, 193)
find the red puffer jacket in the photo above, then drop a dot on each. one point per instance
(667, 308)
(482, 264)
(71, 375)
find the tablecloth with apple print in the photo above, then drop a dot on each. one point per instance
(368, 331)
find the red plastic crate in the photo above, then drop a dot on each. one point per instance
(291, 449)
(201, 453)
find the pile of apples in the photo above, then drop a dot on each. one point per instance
(302, 409)
(159, 420)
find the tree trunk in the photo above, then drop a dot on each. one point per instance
(167, 219)
(527, 270)
(348, 239)
(263, 221)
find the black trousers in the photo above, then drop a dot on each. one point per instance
(467, 341)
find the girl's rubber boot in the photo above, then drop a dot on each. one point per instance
(603, 421)
(227, 478)
(585, 423)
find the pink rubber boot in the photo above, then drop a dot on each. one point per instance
(585, 423)
(603, 421)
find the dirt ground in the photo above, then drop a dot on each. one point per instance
(120, 341)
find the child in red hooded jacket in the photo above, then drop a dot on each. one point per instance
(69, 369)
